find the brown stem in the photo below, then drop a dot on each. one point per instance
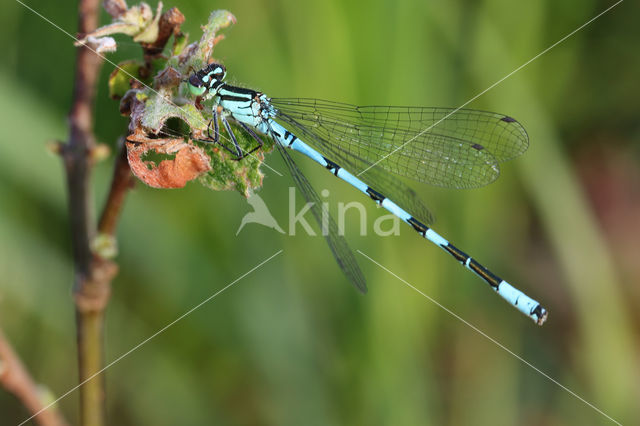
(92, 300)
(92, 277)
(93, 272)
(169, 24)
(15, 378)
(122, 181)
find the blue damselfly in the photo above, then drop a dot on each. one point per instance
(365, 146)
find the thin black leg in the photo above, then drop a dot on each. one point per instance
(215, 138)
(214, 120)
(233, 139)
(254, 135)
(216, 134)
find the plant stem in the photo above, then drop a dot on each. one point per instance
(92, 276)
(92, 298)
(15, 378)
(93, 270)
(120, 184)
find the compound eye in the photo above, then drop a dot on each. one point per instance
(196, 85)
(195, 81)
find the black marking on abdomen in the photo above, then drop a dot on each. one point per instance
(458, 254)
(375, 195)
(286, 137)
(332, 166)
(420, 227)
(477, 146)
(466, 260)
(492, 279)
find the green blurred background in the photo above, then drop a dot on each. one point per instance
(293, 343)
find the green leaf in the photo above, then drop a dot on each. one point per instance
(227, 173)
(159, 109)
(218, 20)
(179, 43)
(120, 78)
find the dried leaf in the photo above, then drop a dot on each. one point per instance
(169, 24)
(166, 163)
(99, 44)
(168, 77)
(150, 32)
(115, 8)
(137, 21)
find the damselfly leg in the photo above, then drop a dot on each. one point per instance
(236, 151)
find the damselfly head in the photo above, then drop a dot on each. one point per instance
(206, 78)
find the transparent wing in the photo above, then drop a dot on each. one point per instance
(337, 243)
(440, 146)
(374, 176)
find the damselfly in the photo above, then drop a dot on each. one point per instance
(365, 146)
